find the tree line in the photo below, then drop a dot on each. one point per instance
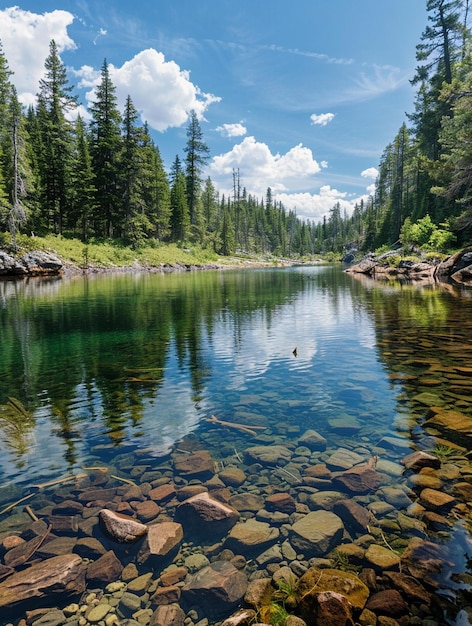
(423, 191)
(105, 178)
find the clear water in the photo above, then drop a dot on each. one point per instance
(106, 364)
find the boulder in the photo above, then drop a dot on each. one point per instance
(388, 602)
(206, 516)
(219, 587)
(419, 459)
(41, 263)
(121, 528)
(332, 608)
(355, 516)
(313, 440)
(168, 615)
(316, 581)
(283, 502)
(359, 480)
(106, 569)
(59, 576)
(9, 266)
(198, 464)
(162, 542)
(251, 537)
(316, 533)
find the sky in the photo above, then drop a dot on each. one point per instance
(301, 96)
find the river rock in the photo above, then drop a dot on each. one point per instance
(282, 502)
(316, 533)
(457, 426)
(251, 537)
(162, 542)
(121, 528)
(355, 516)
(232, 476)
(332, 608)
(219, 587)
(411, 588)
(243, 617)
(247, 502)
(388, 602)
(316, 581)
(198, 464)
(425, 560)
(435, 500)
(106, 569)
(268, 455)
(343, 459)
(419, 459)
(381, 558)
(59, 576)
(205, 515)
(313, 440)
(163, 493)
(359, 480)
(168, 615)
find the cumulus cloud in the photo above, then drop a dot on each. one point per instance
(261, 169)
(315, 206)
(25, 38)
(370, 172)
(232, 130)
(321, 119)
(161, 91)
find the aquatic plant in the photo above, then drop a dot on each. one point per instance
(272, 613)
(286, 592)
(443, 451)
(340, 560)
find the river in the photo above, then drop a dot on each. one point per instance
(94, 368)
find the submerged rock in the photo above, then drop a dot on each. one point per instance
(317, 533)
(59, 576)
(219, 587)
(121, 528)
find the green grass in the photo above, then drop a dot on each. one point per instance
(110, 254)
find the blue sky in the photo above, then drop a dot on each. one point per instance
(302, 96)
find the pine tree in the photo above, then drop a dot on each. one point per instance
(54, 103)
(197, 155)
(106, 157)
(180, 216)
(84, 192)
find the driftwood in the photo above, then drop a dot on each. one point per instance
(251, 430)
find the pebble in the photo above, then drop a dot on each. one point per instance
(98, 613)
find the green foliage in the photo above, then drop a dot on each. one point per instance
(393, 260)
(273, 613)
(340, 560)
(443, 451)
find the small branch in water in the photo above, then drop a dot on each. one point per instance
(251, 430)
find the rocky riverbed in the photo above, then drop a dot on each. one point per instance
(244, 523)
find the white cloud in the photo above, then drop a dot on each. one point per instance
(25, 38)
(321, 119)
(316, 206)
(160, 90)
(232, 130)
(261, 169)
(370, 172)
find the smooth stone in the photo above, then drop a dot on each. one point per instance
(232, 476)
(268, 455)
(205, 515)
(316, 533)
(162, 542)
(343, 459)
(381, 558)
(121, 528)
(313, 440)
(97, 613)
(251, 536)
(196, 562)
(315, 581)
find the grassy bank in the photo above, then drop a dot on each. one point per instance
(109, 254)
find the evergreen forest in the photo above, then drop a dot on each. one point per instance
(104, 179)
